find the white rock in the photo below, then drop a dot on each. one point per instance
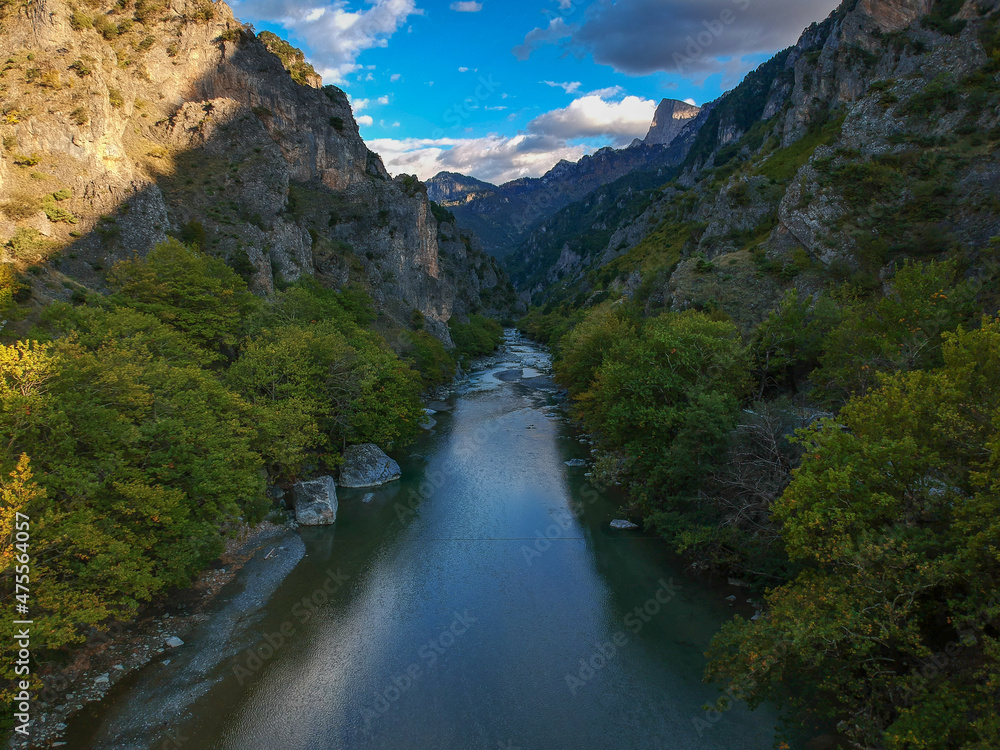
(366, 465)
(369, 496)
(172, 641)
(623, 524)
(102, 679)
(316, 502)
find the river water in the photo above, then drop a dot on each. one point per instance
(482, 601)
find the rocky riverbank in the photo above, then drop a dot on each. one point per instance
(109, 657)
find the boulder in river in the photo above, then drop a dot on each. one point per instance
(316, 502)
(575, 463)
(366, 465)
(619, 523)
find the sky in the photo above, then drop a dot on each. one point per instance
(502, 89)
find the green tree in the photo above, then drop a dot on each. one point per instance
(898, 332)
(582, 350)
(669, 399)
(191, 291)
(891, 625)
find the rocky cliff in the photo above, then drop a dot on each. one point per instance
(669, 120)
(870, 142)
(123, 123)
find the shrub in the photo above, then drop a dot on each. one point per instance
(115, 98)
(337, 123)
(106, 27)
(80, 68)
(80, 116)
(28, 244)
(79, 21)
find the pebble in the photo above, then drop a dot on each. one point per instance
(166, 662)
(102, 679)
(730, 598)
(172, 641)
(369, 496)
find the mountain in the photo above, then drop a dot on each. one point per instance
(502, 216)
(669, 120)
(120, 129)
(869, 142)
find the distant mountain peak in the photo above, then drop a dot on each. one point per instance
(670, 118)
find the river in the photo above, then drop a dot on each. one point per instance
(482, 601)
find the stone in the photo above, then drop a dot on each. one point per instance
(366, 465)
(576, 463)
(172, 641)
(315, 502)
(428, 423)
(623, 524)
(369, 496)
(102, 679)
(730, 598)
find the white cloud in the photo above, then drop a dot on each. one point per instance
(494, 158)
(591, 116)
(611, 92)
(550, 137)
(365, 120)
(691, 102)
(336, 35)
(467, 7)
(569, 88)
(395, 77)
(383, 100)
(359, 104)
(556, 30)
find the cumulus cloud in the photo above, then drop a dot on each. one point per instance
(335, 34)
(364, 120)
(467, 7)
(549, 138)
(592, 116)
(494, 158)
(557, 30)
(570, 87)
(691, 37)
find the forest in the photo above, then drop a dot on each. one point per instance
(143, 427)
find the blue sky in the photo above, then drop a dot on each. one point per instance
(501, 89)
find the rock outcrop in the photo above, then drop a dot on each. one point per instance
(869, 143)
(315, 502)
(175, 118)
(366, 465)
(670, 119)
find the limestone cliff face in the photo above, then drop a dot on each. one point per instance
(893, 15)
(870, 142)
(173, 118)
(668, 122)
